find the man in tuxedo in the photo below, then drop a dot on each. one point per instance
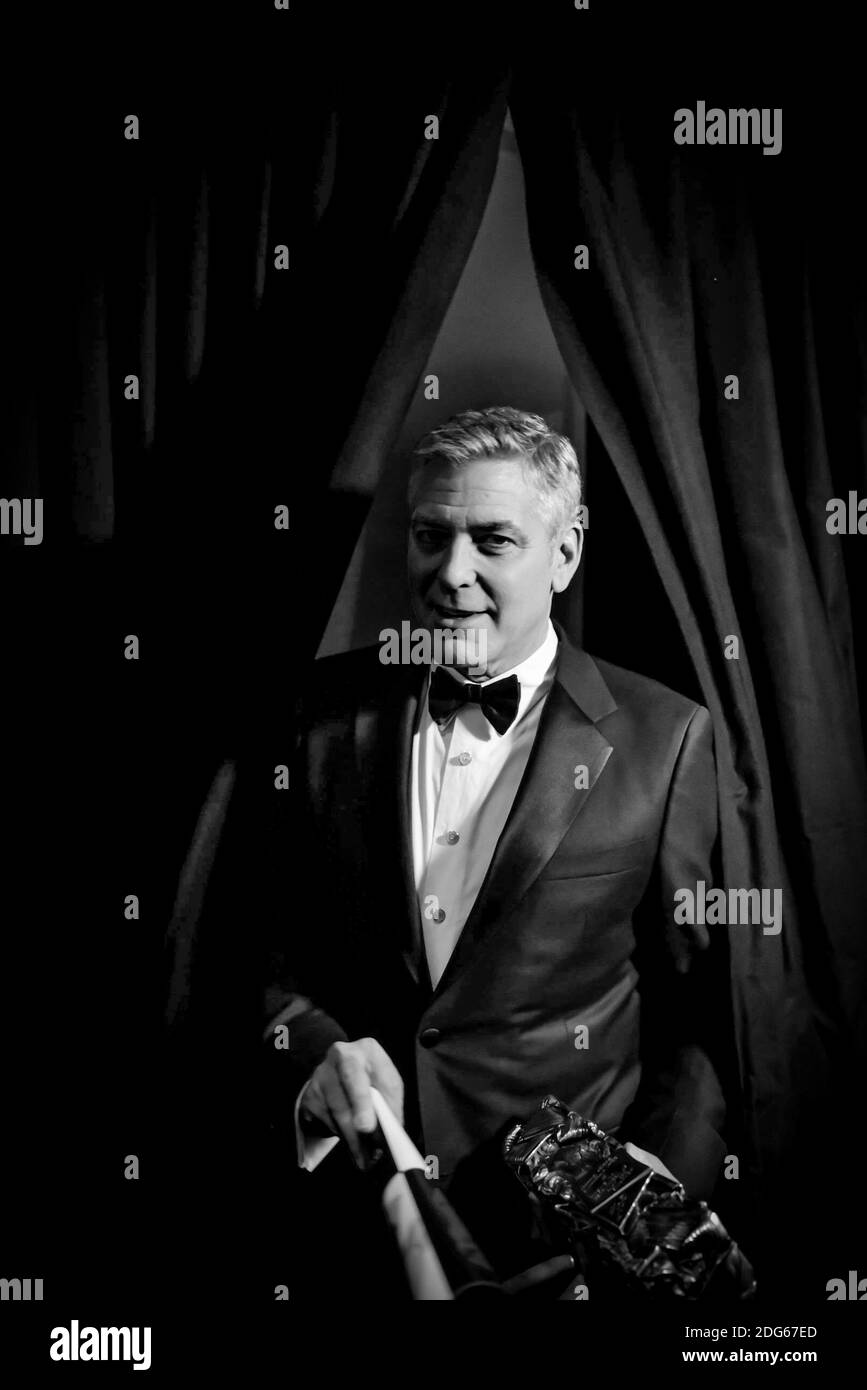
(494, 858)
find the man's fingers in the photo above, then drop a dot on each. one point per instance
(385, 1076)
(340, 1111)
(339, 1095)
(354, 1078)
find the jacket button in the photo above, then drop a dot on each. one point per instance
(429, 1037)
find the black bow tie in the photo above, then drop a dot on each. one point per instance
(499, 700)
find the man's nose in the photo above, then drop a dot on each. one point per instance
(457, 567)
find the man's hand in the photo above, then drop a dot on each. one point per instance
(338, 1093)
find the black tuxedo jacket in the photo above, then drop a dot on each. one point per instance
(574, 924)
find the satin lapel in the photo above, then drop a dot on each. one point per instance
(547, 800)
(383, 742)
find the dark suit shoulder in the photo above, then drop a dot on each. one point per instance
(337, 684)
(329, 670)
(644, 696)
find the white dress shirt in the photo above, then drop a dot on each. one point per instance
(464, 779)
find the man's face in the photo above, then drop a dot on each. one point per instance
(481, 556)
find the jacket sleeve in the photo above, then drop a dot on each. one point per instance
(294, 950)
(240, 929)
(679, 1110)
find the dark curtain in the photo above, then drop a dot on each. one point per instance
(705, 262)
(259, 386)
(380, 253)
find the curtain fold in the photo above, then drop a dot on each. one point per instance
(703, 265)
(401, 158)
(265, 377)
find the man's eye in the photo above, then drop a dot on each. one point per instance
(496, 542)
(428, 540)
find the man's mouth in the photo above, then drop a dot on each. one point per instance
(446, 613)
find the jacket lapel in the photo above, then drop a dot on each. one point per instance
(547, 800)
(383, 741)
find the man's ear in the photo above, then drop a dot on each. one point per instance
(570, 548)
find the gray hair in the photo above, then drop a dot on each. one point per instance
(503, 432)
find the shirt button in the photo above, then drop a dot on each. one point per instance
(429, 1037)
(464, 758)
(452, 837)
(440, 915)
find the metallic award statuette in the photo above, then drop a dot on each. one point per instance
(613, 1212)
